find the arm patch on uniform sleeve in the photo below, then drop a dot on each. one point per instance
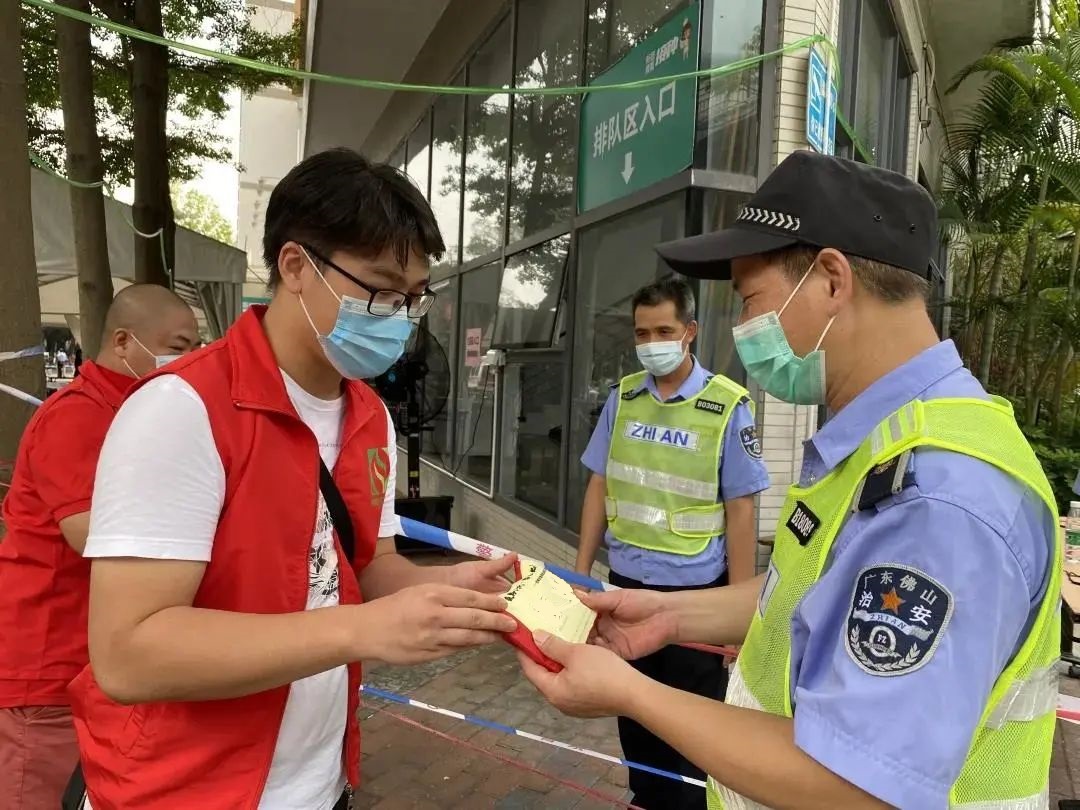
(750, 441)
(897, 617)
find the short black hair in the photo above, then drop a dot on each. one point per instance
(667, 289)
(890, 284)
(339, 200)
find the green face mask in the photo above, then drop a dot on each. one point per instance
(770, 361)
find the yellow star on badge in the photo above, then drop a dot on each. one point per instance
(892, 601)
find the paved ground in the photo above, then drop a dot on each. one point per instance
(406, 767)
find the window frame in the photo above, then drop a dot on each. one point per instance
(895, 95)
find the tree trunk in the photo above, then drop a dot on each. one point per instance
(1031, 391)
(85, 165)
(986, 353)
(1067, 354)
(1058, 397)
(152, 209)
(20, 305)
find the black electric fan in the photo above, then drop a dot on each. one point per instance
(416, 389)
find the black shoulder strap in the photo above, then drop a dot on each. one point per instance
(887, 479)
(338, 513)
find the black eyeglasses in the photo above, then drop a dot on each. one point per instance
(384, 303)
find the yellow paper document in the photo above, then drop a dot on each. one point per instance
(541, 600)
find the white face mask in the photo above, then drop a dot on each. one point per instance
(159, 359)
(662, 357)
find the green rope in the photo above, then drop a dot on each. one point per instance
(39, 161)
(372, 84)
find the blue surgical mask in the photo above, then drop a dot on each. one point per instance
(361, 346)
(662, 357)
(770, 361)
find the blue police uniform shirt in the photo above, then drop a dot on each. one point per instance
(742, 473)
(966, 547)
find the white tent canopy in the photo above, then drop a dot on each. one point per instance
(208, 273)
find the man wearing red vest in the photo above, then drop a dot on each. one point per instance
(226, 623)
(44, 582)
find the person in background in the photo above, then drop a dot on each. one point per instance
(44, 581)
(228, 619)
(902, 648)
(675, 462)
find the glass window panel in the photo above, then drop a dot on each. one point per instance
(474, 420)
(529, 295)
(542, 178)
(488, 129)
(877, 46)
(420, 154)
(615, 259)
(446, 141)
(615, 26)
(532, 406)
(718, 306)
(437, 438)
(728, 105)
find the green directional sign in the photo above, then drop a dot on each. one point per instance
(630, 139)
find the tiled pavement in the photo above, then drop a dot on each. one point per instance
(408, 768)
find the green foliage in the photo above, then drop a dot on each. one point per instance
(199, 89)
(1060, 462)
(1011, 208)
(198, 212)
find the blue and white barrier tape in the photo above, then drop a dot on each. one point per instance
(15, 392)
(372, 691)
(435, 536)
(32, 351)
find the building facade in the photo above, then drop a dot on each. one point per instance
(550, 204)
(268, 146)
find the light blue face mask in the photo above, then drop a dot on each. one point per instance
(662, 357)
(770, 361)
(361, 346)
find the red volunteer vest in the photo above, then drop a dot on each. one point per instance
(215, 755)
(44, 584)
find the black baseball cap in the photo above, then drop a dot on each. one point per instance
(826, 202)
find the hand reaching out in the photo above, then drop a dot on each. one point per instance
(486, 576)
(631, 623)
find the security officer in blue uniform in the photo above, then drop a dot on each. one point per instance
(675, 462)
(901, 650)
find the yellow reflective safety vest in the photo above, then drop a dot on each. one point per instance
(663, 479)
(1008, 763)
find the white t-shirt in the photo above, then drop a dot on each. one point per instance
(158, 494)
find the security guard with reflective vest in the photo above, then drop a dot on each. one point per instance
(901, 648)
(676, 462)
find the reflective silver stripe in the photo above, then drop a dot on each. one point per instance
(738, 694)
(894, 427)
(877, 440)
(664, 482)
(1027, 700)
(637, 513)
(1040, 801)
(658, 518)
(699, 522)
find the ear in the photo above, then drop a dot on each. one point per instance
(119, 341)
(292, 262)
(837, 272)
(691, 332)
